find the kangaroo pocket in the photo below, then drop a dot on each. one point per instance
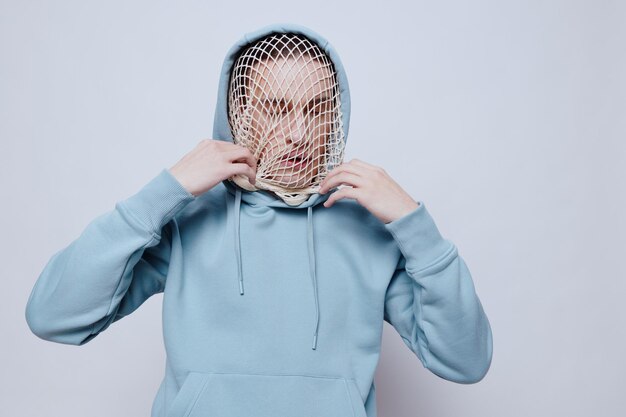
(263, 395)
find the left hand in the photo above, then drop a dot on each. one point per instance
(371, 187)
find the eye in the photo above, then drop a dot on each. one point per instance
(277, 111)
(320, 108)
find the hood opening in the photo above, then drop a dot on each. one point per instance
(284, 106)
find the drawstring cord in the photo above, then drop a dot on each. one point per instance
(237, 240)
(311, 248)
(311, 253)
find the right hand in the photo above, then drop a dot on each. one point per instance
(211, 162)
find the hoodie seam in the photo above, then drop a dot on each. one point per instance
(419, 323)
(277, 374)
(435, 266)
(192, 404)
(146, 226)
(416, 272)
(350, 400)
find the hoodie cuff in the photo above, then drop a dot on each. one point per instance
(157, 202)
(419, 239)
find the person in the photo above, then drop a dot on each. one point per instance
(278, 262)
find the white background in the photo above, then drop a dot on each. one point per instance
(507, 118)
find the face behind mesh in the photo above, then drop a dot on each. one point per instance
(284, 106)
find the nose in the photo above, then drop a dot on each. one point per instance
(297, 128)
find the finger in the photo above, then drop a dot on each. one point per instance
(362, 164)
(346, 178)
(243, 169)
(342, 168)
(346, 192)
(240, 155)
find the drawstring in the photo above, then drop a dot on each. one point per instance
(311, 252)
(310, 241)
(237, 239)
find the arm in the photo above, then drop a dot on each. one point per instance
(432, 303)
(118, 261)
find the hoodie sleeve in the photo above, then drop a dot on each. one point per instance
(119, 260)
(432, 303)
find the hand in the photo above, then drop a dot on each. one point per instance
(371, 187)
(211, 162)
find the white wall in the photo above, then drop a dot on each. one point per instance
(506, 117)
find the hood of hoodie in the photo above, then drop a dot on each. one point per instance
(222, 131)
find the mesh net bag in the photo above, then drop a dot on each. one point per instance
(284, 106)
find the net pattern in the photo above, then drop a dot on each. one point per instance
(284, 106)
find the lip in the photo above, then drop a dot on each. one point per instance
(303, 158)
(292, 164)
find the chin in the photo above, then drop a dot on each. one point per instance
(291, 181)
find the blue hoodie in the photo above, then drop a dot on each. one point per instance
(268, 309)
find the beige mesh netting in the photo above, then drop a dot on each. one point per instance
(284, 106)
